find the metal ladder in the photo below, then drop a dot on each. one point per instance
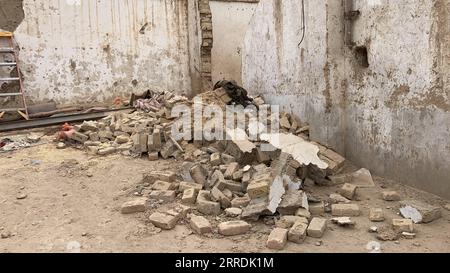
(23, 111)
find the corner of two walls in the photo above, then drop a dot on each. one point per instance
(303, 79)
(200, 45)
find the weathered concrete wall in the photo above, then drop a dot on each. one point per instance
(392, 117)
(230, 22)
(11, 14)
(81, 51)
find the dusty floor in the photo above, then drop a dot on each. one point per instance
(74, 197)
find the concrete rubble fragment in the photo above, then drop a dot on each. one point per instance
(419, 212)
(343, 221)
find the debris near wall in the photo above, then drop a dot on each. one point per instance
(16, 142)
(238, 178)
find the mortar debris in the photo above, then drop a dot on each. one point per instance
(226, 187)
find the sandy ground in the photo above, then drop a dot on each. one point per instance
(74, 198)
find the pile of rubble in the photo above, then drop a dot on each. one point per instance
(238, 178)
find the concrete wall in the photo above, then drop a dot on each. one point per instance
(82, 51)
(392, 117)
(230, 22)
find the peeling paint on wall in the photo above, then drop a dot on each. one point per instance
(79, 51)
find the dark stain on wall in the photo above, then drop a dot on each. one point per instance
(11, 14)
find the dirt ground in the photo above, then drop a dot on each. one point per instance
(73, 200)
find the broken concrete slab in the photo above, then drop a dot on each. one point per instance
(419, 212)
(164, 195)
(343, 221)
(348, 191)
(362, 179)
(255, 209)
(304, 152)
(291, 202)
(276, 193)
(153, 176)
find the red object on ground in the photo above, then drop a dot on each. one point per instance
(67, 127)
(66, 132)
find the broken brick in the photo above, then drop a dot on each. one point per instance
(233, 228)
(297, 233)
(200, 224)
(205, 205)
(163, 221)
(390, 196)
(277, 239)
(348, 191)
(134, 206)
(317, 227)
(403, 225)
(345, 210)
